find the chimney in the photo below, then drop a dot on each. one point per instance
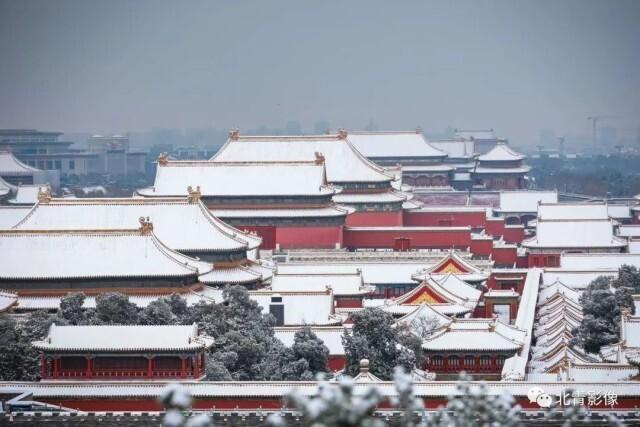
(276, 309)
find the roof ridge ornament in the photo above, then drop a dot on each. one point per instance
(234, 134)
(163, 159)
(320, 159)
(44, 194)
(146, 226)
(342, 134)
(194, 195)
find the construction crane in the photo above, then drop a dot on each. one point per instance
(594, 123)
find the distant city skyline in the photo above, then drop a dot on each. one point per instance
(517, 67)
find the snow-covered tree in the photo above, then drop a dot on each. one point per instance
(601, 308)
(307, 346)
(115, 309)
(158, 312)
(628, 277)
(178, 305)
(374, 338)
(71, 309)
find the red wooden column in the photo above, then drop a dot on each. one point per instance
(149, 366)
(89, 366)
(56, 363)
(43, 366)
(183, 366)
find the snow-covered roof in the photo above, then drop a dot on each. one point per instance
(629, 230)
(28, 194)
(475, 334)
(557, 288)
(574, 234)
(384, 197)
(500, 153)
(372, 272)
(454, 284)
(340, 283)
(505, 170)
(427, 168)
(453, 263)
(43, 255)
(123, 338)
(11, 215)
(455, 148)
(609, 261)
(325, 212)
(5, 187)
(621, 212)
(575, 278)
(572, 211)
(237, 275)
(410, 144)
(180, 223)
(343, 162)
(524, 201)
(7, 300)
(11, 166)
(300, 308)
(239, 179)
(423, 313)
(330, 335)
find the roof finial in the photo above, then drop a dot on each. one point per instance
(44, 194)
(319, 158)
(194, 195)
(418, 129)
(364, 366)
(163, 159)
(342, 134)
(234, 134)
(146, 226)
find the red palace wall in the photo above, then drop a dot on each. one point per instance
(297, 237)
(445, 219)
(505, 256)
(348, 302)
(439, 239)
(374, 219)
(309, 237)
(336, 362)
(544, 260)
(495, 226)
(513, 234)
(481, 247)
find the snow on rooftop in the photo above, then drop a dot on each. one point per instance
(455, 148)
(180, 224)
(123, 338)
(476, 334)
(574, 234)
(575, 278)
(629, 230)
(326, 212)
(572, 211)
(32, 255)
(7, 300)
(621, 212)
(591, 261)
(372, 272)
(28, 194)
(411, 144)
(500, 153)
(11, 215)
(5, 187)
(11, 166)
(343, 162)
(525, 201)
(218, 179)
(340, 283)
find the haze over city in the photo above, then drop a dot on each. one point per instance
(519, 67)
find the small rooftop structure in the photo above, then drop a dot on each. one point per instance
(28, 195)
(524, 201)
(476, 335)
(501, 153)
(12, 167)
(571, 233)
(572, 211)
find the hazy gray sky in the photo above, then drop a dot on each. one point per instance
(517, 66)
